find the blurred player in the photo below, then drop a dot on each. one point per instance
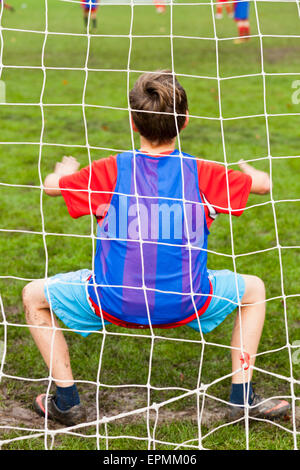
(7, 7)
(160, 6)
(220, 5)
(241, 16)
(90, 5)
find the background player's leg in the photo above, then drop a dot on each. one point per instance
(94, 18)
(229, 9)
(246, 28)
(219, 13)
(160, 6)
(85, 17)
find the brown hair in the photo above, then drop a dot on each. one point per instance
(155, 92)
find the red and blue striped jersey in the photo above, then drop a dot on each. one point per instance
(90, 4)
(123, 272)
(151, 254)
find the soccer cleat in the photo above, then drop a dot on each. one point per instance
(218, 16)
(75, 415)
(270, 408)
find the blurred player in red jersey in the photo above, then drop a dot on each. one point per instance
(160, 6)
(241, 16)
(220, 5)
(90, 6)
(7, 7)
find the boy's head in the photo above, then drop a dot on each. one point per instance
(154, 94)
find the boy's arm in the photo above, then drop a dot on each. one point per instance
(261, 183)
(67, 166)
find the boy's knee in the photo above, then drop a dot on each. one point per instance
(259, 286)
(33, 298)
(255, 289)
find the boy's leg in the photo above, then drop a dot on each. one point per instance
(46, 334)
(65, 406)
(245, 340)
(68, 297)
(245, 337)
(248, 326)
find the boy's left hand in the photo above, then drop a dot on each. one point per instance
(261, 183)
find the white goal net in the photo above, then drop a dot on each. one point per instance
(161, 402)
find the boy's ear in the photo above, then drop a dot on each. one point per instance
(134, 128)
(186, 120)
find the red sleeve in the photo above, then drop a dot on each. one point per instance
(213, 184)
(103, 178)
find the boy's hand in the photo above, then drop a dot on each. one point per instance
(261, 183)
(67, 166)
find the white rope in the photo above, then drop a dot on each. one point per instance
(50, 379)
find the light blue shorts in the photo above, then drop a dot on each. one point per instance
(67, 295)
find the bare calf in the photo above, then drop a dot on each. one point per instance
(45, 331)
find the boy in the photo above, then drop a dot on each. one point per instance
(150, 262)
(241, 16)
(90, 5)
(220, 5)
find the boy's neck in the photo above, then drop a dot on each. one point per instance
(154, 149)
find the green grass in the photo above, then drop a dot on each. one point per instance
(126, 358)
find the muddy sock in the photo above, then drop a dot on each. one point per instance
(66, 397)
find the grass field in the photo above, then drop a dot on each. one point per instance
(125, 360)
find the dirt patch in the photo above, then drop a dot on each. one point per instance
(112, 402)
(126, 400)
(278, 54)
(16, 414)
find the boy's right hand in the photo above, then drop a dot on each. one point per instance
(67, 166)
